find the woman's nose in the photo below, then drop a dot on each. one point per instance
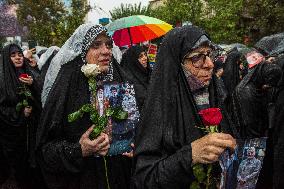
(208, 62)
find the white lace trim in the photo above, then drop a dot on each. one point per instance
(45, 56)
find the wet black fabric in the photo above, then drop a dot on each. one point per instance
(231, 75)
(272, 45)
(17, 133)
(59, 151)
(278, 133)
(167, 126)
(250, 101)
(138, 75)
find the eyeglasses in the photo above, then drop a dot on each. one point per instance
(198, 59)
(98, 44)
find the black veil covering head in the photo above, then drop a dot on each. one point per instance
(231, 75)
(130, 63)
(169, 117)
(138, 75)
(9, 84)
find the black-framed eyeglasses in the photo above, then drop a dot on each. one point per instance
(198, 59)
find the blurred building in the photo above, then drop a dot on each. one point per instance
(10, 28)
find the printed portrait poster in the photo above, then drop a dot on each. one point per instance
(241, 168)
(253, 58)
(121, 132)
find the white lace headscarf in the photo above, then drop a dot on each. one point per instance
(77, 44)
(45, 56)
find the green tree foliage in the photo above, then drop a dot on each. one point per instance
(267, 17)
(175, 11)
(41, 18)
(72, 20)
(49, 22)
(2, 41)
(224, 20)
(128, 10)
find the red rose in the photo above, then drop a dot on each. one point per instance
(211, 116)
(24, 76)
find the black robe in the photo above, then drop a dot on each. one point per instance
(58, 148)
(278, 134)
(138, 75)
(167, 126)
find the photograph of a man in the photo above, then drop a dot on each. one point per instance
(248, 170)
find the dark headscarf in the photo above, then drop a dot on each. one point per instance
(139, 75)
(9, 84)
(169, 117)
(271, 45)
(231, 75)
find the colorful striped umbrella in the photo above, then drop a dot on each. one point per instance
(136, 29)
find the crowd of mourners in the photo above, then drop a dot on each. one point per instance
(41, 149)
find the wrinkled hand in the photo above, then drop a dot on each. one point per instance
(129, 154)
(98, 146)
(28, 111)
(28, 81)
(208, 148)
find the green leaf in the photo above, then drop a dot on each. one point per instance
(28, 93)
(109, 112)
(74, 116)
(19, 106)
(95, 132)
(195, 185)
(25, 103)
(199, 172)
(86, 108)
(120, 114)
(103, 121)
(94, 116)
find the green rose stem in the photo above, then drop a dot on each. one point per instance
(100, 122)
(105, 162)
(208, 176)
(23, 91)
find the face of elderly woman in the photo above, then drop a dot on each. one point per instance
(17, 59)
(200, 64)
(100, 52)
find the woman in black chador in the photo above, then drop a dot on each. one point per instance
(168, 143)
(251, 98)
(17, 125)
(68, 157)
(135, 63)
